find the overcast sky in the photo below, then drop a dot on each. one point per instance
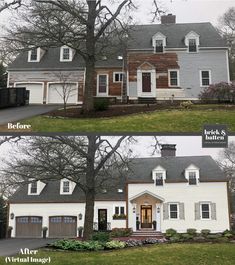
(185, 10)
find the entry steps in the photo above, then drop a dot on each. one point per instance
(147, 233)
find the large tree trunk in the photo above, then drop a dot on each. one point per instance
(90, 190)
(88, 103)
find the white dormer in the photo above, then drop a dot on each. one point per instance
(159, 42)
(35, 55)
(66, 54)
(159, 175)
(36, 187)
(192, 41)
(192, 174)
(66, 186)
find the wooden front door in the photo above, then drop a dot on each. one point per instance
(146, 216)
(146, 82)
(102, 219)
(62, 226)
(29, 226)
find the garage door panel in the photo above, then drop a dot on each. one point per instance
(29, 226)
(62, 226)
(56, 93)
(36, 92)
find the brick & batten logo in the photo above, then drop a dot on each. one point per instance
(215, 136)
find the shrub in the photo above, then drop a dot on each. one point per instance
(227, 234)
(115, 244)
(101, 236)
(205, 232)
(192, 231)
(220, 92)
(78, 245)
(186, 236)
(101, 104)
(176, 238)
(186, 104)
(215, 236)
(119, 216)
(170, 232)
(121, 232)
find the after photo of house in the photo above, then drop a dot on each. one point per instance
(117, 192)
(159, 67)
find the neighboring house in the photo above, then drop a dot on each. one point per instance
(163, 61)
(176, 192)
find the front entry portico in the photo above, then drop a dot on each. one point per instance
(146, 211)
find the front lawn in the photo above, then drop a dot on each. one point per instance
(156, 121)
(162, 254)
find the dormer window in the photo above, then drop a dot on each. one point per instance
(34, 188)
(159, 42)
(159, 46)
(192, 178)
(192, 41)
(159, 179)
(66, 54)
(192, 45)
(66, 186)
(34, 55)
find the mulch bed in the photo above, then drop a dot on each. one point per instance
(122, 110)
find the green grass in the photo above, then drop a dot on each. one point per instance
(167, 254)
(157, 121)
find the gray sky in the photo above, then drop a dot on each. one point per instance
(185, 10)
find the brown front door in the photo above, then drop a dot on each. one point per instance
(102, 219)
(146, 82)
(62, 226)
(146, 216)
(29, 226)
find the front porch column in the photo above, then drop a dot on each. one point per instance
(158, 217)
(133, 210)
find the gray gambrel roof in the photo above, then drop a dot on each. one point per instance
(140, 37)
(140, 172)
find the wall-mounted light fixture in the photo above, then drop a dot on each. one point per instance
(134, 209)
(80, 216)
(12, 216)
(158, 209)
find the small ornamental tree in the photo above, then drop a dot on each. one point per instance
(220, 92)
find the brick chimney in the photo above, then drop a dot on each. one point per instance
(168, 19)
(168, 150)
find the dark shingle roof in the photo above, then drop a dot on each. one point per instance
(175, 166)
(141, 171)
(141, 37)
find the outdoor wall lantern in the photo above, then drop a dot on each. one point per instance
(158, 209)
(12, 216)
(134, 209)
(80, 216)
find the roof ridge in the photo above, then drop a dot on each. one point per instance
(185, 23)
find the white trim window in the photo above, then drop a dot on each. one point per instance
(192, 178)
(205, 78)
(205, 211)
(119, 210)
(34, 188)
(159, 42)
(192, 45)
(34, 55)
(102, 84)
(173, 78)
(159, 46)
(66, 54)
(66, 186)
(192, 41)
(117, 77)
(159, 178)
(174, 211)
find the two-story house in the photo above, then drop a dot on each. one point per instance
(162, 61)
(176, 192)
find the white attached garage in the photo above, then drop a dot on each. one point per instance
(36, 92)
(56, 92)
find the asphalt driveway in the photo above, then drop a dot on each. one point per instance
(19, 113)
(10, 247)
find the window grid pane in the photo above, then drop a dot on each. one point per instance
(66, 53)
(205, 211)
(192, 45)
(205, 78)
(159, 46)
(34, 55)
(33, 187)
(66, 186)
(116, 210)
(173, 211)
(122, 211)
(174, 78)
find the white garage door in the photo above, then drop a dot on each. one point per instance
(36, 92)
(56, 92)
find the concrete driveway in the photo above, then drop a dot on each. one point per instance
(19, 113)
(10, 247)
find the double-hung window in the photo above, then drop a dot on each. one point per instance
(205, 76)
(205, 211)
(66, 186)
(192, 45)
(173, 78)
(34, 188)
(174, 211)
(159, 179)
(192, 180)
(159, 46)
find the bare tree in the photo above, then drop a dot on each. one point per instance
(227, 163)
(227, 30)
(66, 89)
(90, 27)
(9, 4)
(88, 161)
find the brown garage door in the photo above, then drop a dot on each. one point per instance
(63, 226)
(29, 226)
